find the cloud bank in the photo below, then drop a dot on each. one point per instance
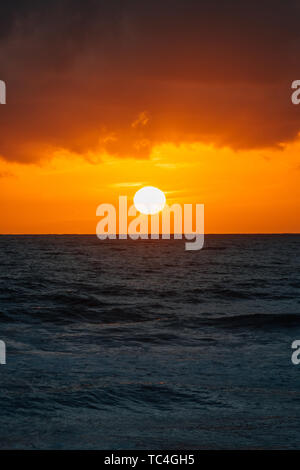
(120, 77)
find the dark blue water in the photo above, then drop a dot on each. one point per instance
(141, 344)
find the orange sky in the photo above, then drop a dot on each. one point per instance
(99, 106)
(243, 191)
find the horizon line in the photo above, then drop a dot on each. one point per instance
(117, 234)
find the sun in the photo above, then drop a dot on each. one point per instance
(149, 200)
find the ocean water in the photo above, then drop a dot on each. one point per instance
(143, 345)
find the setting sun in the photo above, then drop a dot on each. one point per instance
(149, 200)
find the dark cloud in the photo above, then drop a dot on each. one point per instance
(80, 73)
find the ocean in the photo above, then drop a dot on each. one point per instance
(126, 344)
